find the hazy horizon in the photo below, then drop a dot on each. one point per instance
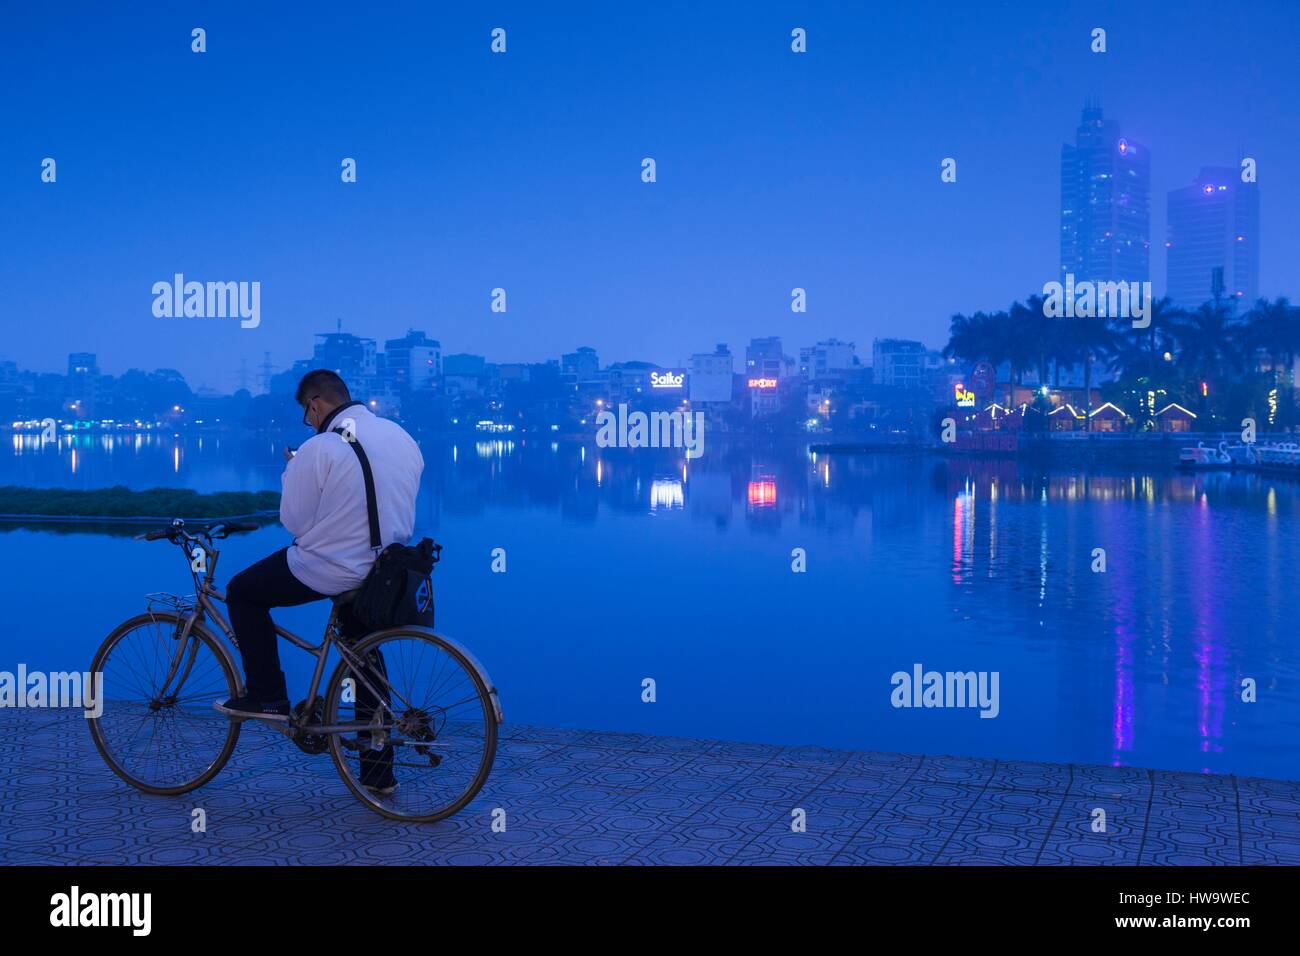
(522, 170)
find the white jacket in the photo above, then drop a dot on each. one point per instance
(323, 499)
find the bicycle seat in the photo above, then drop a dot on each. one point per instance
(346, 597)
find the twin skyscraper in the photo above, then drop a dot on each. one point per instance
(1211, 229)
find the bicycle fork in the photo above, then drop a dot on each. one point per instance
(185, 640)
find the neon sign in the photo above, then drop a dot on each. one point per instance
(764, 383)
(667, 380)
(965, 397)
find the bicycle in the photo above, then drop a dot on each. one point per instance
(163, 737)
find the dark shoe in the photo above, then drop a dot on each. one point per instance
(385, 789)
(377, 771)
(245, 707)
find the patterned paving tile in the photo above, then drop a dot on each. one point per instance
(581, 797)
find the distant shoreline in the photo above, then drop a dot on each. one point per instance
(121, 505)
(138, 519)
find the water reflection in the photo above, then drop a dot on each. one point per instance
(497, 448)
(762, 493)
(956, 563)
(666, 493)
(1023, 547)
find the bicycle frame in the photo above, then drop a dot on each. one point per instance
(384, 719)
(208, 596)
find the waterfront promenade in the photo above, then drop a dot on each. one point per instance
(587, 797)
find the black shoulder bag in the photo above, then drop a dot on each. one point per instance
(398, 590)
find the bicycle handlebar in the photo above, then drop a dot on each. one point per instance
(218, 529)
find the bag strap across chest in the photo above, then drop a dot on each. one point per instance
(372, 506)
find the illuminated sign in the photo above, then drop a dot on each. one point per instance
(763, 383)
(762, 493)
(965, 397)
(667, 379)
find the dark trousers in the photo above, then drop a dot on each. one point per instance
(376, 765)
(249, 598)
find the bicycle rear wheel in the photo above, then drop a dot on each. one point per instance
(161, 735)
(431, 725)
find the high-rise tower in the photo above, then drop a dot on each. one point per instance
(1105, 203)
(1213, 224)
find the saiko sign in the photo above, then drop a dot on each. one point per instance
(667, 379)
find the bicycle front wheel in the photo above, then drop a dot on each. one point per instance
(158, 731)
(426, 725)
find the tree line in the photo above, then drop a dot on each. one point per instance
(1219, 362)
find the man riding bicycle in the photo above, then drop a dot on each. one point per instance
(323, 505)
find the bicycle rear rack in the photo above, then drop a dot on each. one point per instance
(180, 603)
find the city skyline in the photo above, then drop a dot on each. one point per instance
(775, 171)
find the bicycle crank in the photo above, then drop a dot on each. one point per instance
(308, 743)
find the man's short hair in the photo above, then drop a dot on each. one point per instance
(324, 383)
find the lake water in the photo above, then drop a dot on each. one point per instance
(625, 565)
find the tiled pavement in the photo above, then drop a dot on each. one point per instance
(587, 797)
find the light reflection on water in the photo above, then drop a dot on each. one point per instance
(628, 564)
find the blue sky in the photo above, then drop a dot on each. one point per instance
(522, 170)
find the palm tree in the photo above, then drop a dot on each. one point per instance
(1088, 340)
(1032, 334)
(968, 337)
(1138, 355)
(1014, 347)
(1273, 327)
(1207, 345)
(1061, 352)
(982, 337)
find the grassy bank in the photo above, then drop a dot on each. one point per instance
(123, 504)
